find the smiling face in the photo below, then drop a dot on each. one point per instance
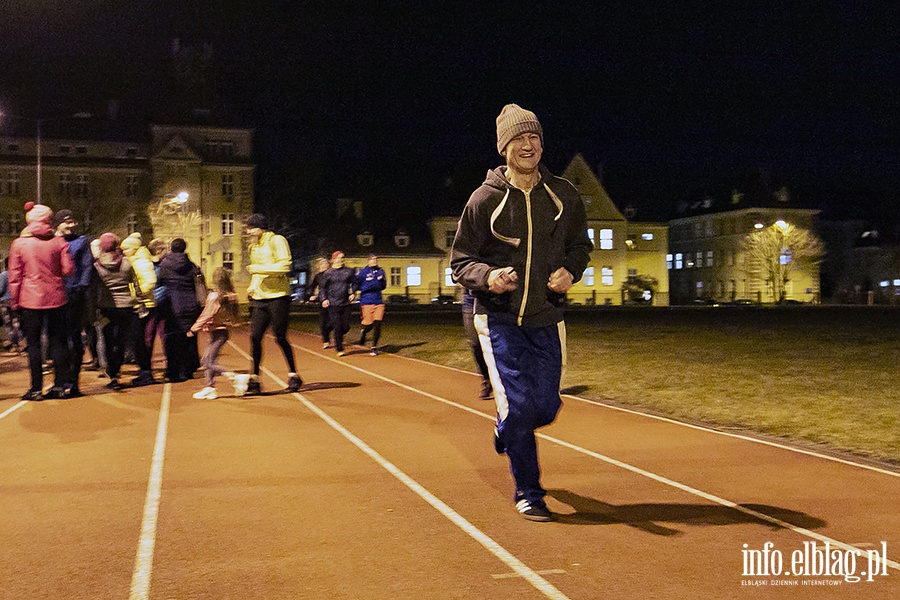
(523, 153)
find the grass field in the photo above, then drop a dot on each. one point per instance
(821, 375)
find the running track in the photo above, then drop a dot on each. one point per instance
(379, 480)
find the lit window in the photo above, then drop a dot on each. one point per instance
(448, 277)
(709, 258)
(885, 283)
(589, 276)
(699, 259)
(395, 276)
(678, 261)
(227, 223)
(228, 260)
(591, 236)
(606, 276)
(606, 239)
(669, 261)
(647, 236)
(896, 282)
(413, 276)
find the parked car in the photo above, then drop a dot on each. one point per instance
(400, 299)
(443, 299)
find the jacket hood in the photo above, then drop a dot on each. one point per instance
(39, 229)
(178, 262)
(111, 261)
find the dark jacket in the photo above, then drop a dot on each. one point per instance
(336, 285)
(112, 282)
(80, 249)
(369, 282)
(178, 274)
(536, 233)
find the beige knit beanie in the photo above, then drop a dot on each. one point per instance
(515, 120)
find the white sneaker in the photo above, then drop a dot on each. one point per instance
(207, 393)
(240, 384)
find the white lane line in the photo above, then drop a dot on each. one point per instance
(13, 408)
(517, 566)
(674, 421)
(143, 562)
(659, 478)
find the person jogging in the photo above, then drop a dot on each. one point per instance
(520, 244)
(270, 297)
(370, 281)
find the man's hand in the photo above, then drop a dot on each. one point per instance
(502, 280)
(560, 281)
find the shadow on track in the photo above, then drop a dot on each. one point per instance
(647, 517)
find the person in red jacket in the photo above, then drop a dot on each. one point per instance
(38, 263)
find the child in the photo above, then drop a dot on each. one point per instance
(219, 313)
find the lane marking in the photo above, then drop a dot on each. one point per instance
(674, 421)
(13, 408)
(658, 478)
(517, 566)
(143, 561)
(542, 572)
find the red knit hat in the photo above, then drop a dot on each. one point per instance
(334, 255)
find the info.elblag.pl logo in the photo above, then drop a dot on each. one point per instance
(814, 564)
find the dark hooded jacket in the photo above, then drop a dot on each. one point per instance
(112, 282)
(535, 232)
(38, 263)
(178, 274)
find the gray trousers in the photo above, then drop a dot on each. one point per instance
(217, 339)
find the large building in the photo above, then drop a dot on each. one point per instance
(709, 259)
(194, 182)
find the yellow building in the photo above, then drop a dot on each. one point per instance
(707, 258)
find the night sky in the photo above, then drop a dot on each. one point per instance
(394, 103)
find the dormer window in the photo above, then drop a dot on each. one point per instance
(401, 240)
(65, 149)
(365, 239)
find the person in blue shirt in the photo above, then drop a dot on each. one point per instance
(370, 281)
(77, 285)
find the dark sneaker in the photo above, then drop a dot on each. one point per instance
(143, 379)
(294, 383)
(253, 388)
(533, 512)
(33, 395)
(498, 445)
(374, 351)
(487, 392)
(55, 393)
(114, 385)
(72, 392)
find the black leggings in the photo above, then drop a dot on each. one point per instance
(274, 311)
(33, 322)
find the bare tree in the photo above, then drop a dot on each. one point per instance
(779, 249)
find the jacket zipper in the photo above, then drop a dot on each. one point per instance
(527, 259)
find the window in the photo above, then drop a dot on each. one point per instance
(131, 224)
(449, 236)
(709, 258)
(413, 276)
(82, 185)
(15, 222)
(12, 183)
(131, 152)
(632, 272)
(81, 149)
(228, 186)
(699, 259)
(448, 277)
(131, 185)
(709, 228)
(207, 226)
(678, 261)
(395, 277)
(228, 260)
(606, 239)
(365, 239)
(13, 148)
(606, 276)
(588, 276)
(647, 236)
(65, 149)
(65, 184)
(227, 223)
(401, 240)
(669, 261)
(591, 236)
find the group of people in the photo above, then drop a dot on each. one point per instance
(122, 295)
(520, 245)
(335, 287)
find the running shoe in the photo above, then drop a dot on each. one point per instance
(207, 393)
(294, 383)
(241, 382)
(533, 512)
